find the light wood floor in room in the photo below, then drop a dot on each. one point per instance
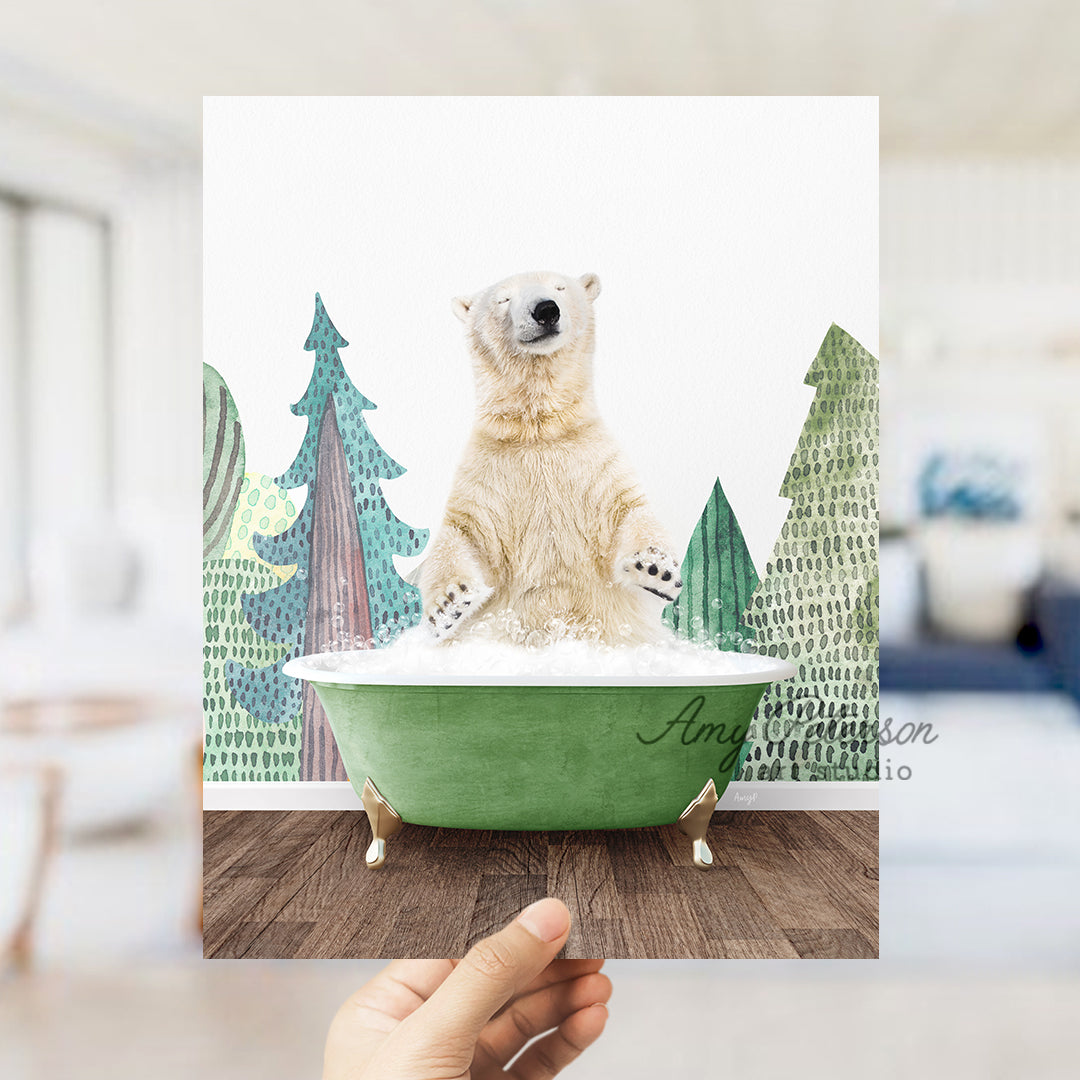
(787, 884)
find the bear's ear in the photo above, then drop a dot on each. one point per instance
(460, 306)
(591, 285)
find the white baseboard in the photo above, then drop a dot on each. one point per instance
(742, 795)
(283, 795)
(799, 795)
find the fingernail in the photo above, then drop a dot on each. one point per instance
(547, 919)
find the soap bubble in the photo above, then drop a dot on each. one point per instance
(497, 642)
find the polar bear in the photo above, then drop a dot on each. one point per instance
(545, 518)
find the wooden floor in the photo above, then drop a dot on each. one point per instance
(293, 884)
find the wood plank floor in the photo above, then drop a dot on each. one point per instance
(787, 884)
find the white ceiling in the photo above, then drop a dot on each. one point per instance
(954, 76)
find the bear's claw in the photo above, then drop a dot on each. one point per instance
(444, 615)
(648, 569)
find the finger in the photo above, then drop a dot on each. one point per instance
(400, 988)
(372, 1013)
(548, 1056)
(421, 977)
(492, 972)
(558, 971)
(538, 1012)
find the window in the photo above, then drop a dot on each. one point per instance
(56, 430)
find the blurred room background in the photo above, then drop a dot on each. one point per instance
(980, 550)
(100, 600)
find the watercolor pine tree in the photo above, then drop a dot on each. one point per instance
(817, 603)
(346, 591)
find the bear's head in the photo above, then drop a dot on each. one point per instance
(531, 338)
(532, 314)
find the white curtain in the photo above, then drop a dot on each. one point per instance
(67, 407)
(12, 520)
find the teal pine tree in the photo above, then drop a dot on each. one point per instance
(346, 589)
(817, 604)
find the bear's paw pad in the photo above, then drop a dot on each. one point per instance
(453, 605)
(654, 571)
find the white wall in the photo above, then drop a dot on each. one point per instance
(728, 235)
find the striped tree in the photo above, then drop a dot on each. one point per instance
(223, 463)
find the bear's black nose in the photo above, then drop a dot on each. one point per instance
(546, 313)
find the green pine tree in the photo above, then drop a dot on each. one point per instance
(817, 604)
(240, 746)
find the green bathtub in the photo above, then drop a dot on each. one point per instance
(505, 752)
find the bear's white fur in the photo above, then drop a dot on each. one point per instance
(545, 517)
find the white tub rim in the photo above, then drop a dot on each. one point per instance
(759, 670)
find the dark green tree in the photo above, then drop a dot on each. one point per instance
(718, 579)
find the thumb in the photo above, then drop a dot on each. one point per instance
(492, 972)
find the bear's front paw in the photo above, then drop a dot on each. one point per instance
(453, 606)
(654, 571)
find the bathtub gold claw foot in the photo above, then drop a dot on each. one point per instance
(384, 820)
(694, 822)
